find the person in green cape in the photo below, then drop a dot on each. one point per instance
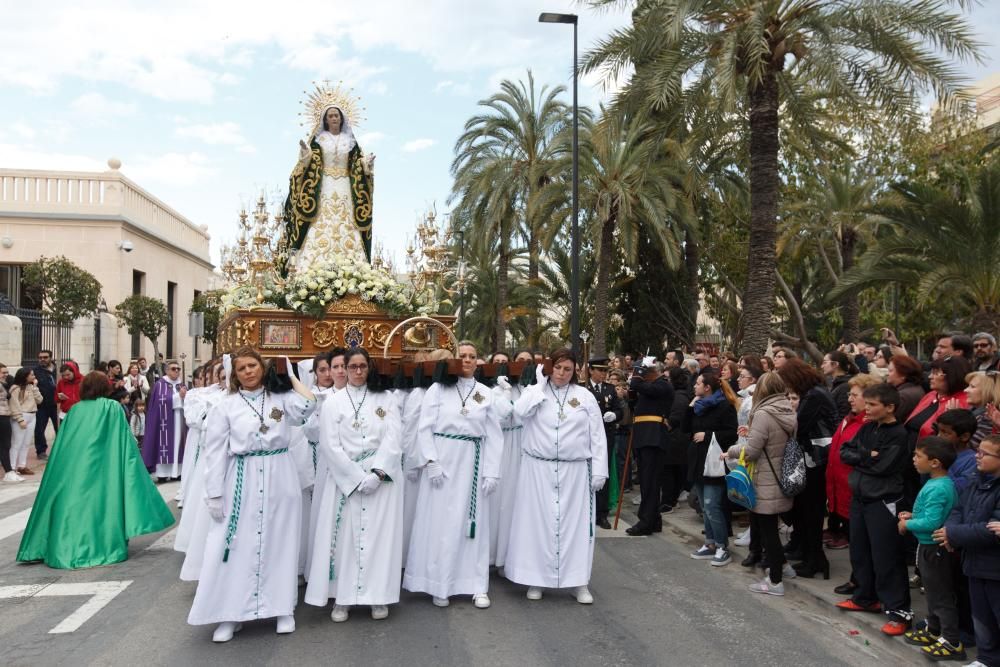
(83, 520)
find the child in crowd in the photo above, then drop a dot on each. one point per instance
(938, 566)
(957, 427)
(138, 421)
(972, 527)
(879, 455)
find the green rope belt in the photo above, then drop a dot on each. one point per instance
(508, 429)
(590, 479)
(367, 454)
(473, 496)
(314, 446)
(234, 515)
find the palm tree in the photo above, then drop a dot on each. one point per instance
(482, 295)
(503, 158)
(763, 58)
(946, 244)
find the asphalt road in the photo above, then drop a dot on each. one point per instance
(654, 606)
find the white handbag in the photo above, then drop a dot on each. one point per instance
(714, 466)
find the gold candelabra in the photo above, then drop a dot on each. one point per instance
(429, 257)
(252, 259)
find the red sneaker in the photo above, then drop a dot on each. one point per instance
(851, 605)
(838, 543)
(896, 628)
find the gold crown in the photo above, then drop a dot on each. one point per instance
(325, 96)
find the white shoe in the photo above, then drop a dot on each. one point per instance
(481, 600)
(225, 631)
(744, 539)
(286, 625)
(637, 500)
(441, 602)
(340, 613)
(765, 586)
(534, 593)
(12, 477)
(787, 571)
(683, 496)
(379, 612)
(583, 595)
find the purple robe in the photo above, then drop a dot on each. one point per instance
(158, 441)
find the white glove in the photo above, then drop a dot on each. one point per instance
(435, 473)
(215, 508)
(369, 484)
(609, 417)
(540, 377)
(413, 474)
(503, 382)
(597, 483)
(490, 485)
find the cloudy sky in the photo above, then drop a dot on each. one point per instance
(200, 100)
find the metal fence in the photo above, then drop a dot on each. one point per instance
(38, 332)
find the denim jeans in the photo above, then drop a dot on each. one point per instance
(711, 495)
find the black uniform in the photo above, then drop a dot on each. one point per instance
(649, 442)
(608, 401)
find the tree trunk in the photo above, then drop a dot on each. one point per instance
(986, 319)
(532, 320)
(849, 307)
(500, 323)
(603, 289)
(758, 297)
(691, 259)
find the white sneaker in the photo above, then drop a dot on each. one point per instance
(286, 625)
(637, 500)
(441, 602)
(340, 613)
(583, 595)
(12, 477)
(975, 663)
(380, 611)
(534, 593)
(765, 586)
(787, 571)
(743, 540)
(481, 600)
(225, 631)
(683, 496)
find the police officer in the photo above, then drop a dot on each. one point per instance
(612, 409)
(654, 397)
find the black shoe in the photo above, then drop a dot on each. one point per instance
(657, 528)
(666, 509)
(808, 571)
(43, 457)
(797, 555)
(604, 523)
(637, 530)
(751, 560)
(845, 589)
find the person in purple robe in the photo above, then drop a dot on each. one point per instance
(162, 448)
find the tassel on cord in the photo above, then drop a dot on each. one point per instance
(225, 556)
(472, 530)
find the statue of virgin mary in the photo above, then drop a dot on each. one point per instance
(328, 211)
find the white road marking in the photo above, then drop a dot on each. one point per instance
(14, 524)
(164, 543)
(10, 492)
(101, 592)
(622, 526)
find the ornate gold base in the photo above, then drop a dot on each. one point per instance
(349, 322)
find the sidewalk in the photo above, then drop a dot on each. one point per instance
(684, 525)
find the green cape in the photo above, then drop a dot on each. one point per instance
(95, 493)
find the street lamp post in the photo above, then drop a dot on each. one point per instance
(574, 318)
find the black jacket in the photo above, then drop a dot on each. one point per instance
(817, 418)
(877, 477)
(720, 419)
(608, 401)
(652, 398)
(839, 389)
(46, 385)
(678, 441)
(978, 504)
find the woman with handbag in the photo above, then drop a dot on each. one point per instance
(772, 424)
(711, 419)
(817, 420)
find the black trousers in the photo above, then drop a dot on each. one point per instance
(877, 557)
(765, 528)
(809, 510)
(601, 509)
(939, 570)
(672, 480)
(42, 419)
(5, 436)
(650, 461)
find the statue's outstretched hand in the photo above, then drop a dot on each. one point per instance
(303, 149)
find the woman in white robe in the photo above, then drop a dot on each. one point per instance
(459, 444)
(564, 464)
(411, 469)
(502, 505)
(357, 556)
(254, 497)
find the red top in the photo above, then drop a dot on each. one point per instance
(838, 491)
(70, 388)
(927, 428)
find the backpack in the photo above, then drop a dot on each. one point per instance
(739, 484)
(792, 480)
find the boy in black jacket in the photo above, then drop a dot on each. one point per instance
(879, 454)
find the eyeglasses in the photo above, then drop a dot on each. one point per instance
(174, 369)
(981, 345)
(980, 453)
(357, 368)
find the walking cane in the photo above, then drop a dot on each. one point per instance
(626, 473)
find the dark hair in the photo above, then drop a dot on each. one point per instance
(936, 447)
(843, 362)
(961, 421)
(322, 356)
(562, 354)
(48, 352)
(373, 380)
(341, 117)
(711, 380)
(755, 371)
(21, 377)
(954, 368)
(336, 352)
(886, 352)
(245, 351)
(118, 394)
(102, 366)
(799, 376)
(679, 377)
(909, 368)
(113, 363)
(884, 393)
(67, 367)
(963, 345)
(94, 385)
(494, 355)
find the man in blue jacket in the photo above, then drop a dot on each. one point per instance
(966, 529)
